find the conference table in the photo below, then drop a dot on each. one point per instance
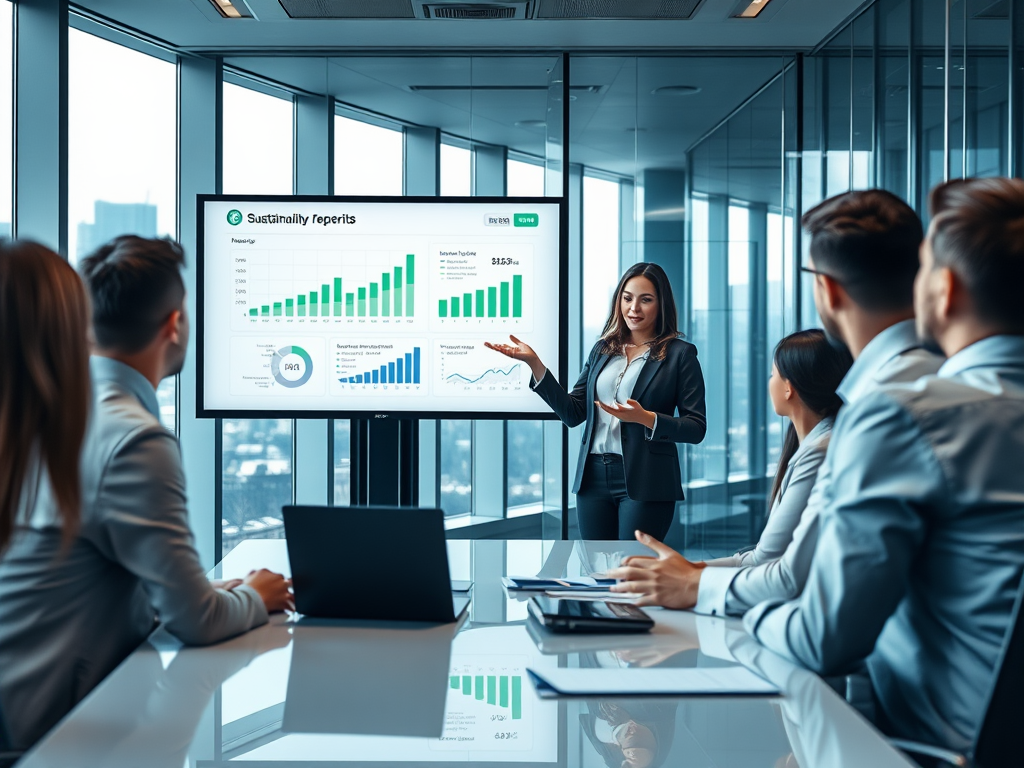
(294, 693)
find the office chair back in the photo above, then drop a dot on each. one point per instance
(8, 757)
(999, 739)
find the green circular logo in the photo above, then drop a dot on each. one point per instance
(234, 217)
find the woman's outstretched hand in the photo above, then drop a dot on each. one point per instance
(630, 411)
(521, 351)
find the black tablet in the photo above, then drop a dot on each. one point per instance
(560, 615)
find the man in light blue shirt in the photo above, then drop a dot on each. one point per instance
(864, 252)
(921, 548)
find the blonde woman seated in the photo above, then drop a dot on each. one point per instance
(806, 372)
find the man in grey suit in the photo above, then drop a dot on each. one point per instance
(864, 255)
(67, 618)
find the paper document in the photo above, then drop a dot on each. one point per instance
(574, 584)
(712, 681)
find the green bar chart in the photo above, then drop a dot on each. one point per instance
(372, 292)
(502, 691)
(492, 301)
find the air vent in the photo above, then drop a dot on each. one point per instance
(492, 10)
(470, 11)
(617, 9)
(349, 9)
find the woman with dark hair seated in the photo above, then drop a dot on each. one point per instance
(44, 407)
(806, 372)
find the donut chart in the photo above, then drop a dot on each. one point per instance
(294, 372)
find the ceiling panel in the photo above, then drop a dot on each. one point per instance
(195, 25)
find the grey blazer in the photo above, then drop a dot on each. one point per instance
(794, 491)
(68, 618)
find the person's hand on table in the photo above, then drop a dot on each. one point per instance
(274, 588)
(668, 580)
(226, 584)
(630, 411)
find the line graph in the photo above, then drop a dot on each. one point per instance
(491, 375)
(468, 368)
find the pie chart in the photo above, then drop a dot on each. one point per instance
(291, 366)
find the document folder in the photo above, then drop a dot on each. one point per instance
(712, 681)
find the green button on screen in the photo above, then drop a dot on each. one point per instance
(526, 219)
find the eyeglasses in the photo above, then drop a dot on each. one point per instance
(810, 271)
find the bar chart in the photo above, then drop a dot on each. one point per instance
(374, 367)
(322, 286)
(488, 285)
(502, 691)
(492, 301)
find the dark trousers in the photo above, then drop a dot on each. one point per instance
(604, 510)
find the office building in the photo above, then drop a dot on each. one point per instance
(113, 219)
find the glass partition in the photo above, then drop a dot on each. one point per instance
(256, 456)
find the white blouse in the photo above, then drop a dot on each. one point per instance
(614, 385)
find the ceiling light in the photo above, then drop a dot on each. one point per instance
(531, 125)
(228, 10)
(751, 11)
(676, 90)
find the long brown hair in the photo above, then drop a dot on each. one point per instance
(616, 334)
(814, 367)
(44, 380)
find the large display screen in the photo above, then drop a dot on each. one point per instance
(329, 306)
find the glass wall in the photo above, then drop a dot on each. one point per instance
(256, 453)
(668, 179)
(122, 150)
(892, 99)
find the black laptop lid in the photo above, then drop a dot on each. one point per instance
(387, 563)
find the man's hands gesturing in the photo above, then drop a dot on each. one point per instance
(668, 580)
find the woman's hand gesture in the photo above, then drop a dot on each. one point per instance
(519, 350)
(630, 411)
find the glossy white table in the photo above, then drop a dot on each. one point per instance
(294, 694)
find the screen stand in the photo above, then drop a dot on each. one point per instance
(385, 464)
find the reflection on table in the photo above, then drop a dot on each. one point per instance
(343, 692)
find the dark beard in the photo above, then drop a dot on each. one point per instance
(832, 335)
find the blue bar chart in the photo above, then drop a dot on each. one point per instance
(378, 367)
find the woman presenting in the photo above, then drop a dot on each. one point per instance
(638, 377)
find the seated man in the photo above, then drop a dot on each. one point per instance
(864, 256)
(68, 617)
(921, 550)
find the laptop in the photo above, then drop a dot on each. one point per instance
(375, 563)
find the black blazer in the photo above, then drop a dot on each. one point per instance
(668, 386)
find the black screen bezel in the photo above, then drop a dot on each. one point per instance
(542, 413)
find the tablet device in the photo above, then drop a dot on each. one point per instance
(588, 615)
